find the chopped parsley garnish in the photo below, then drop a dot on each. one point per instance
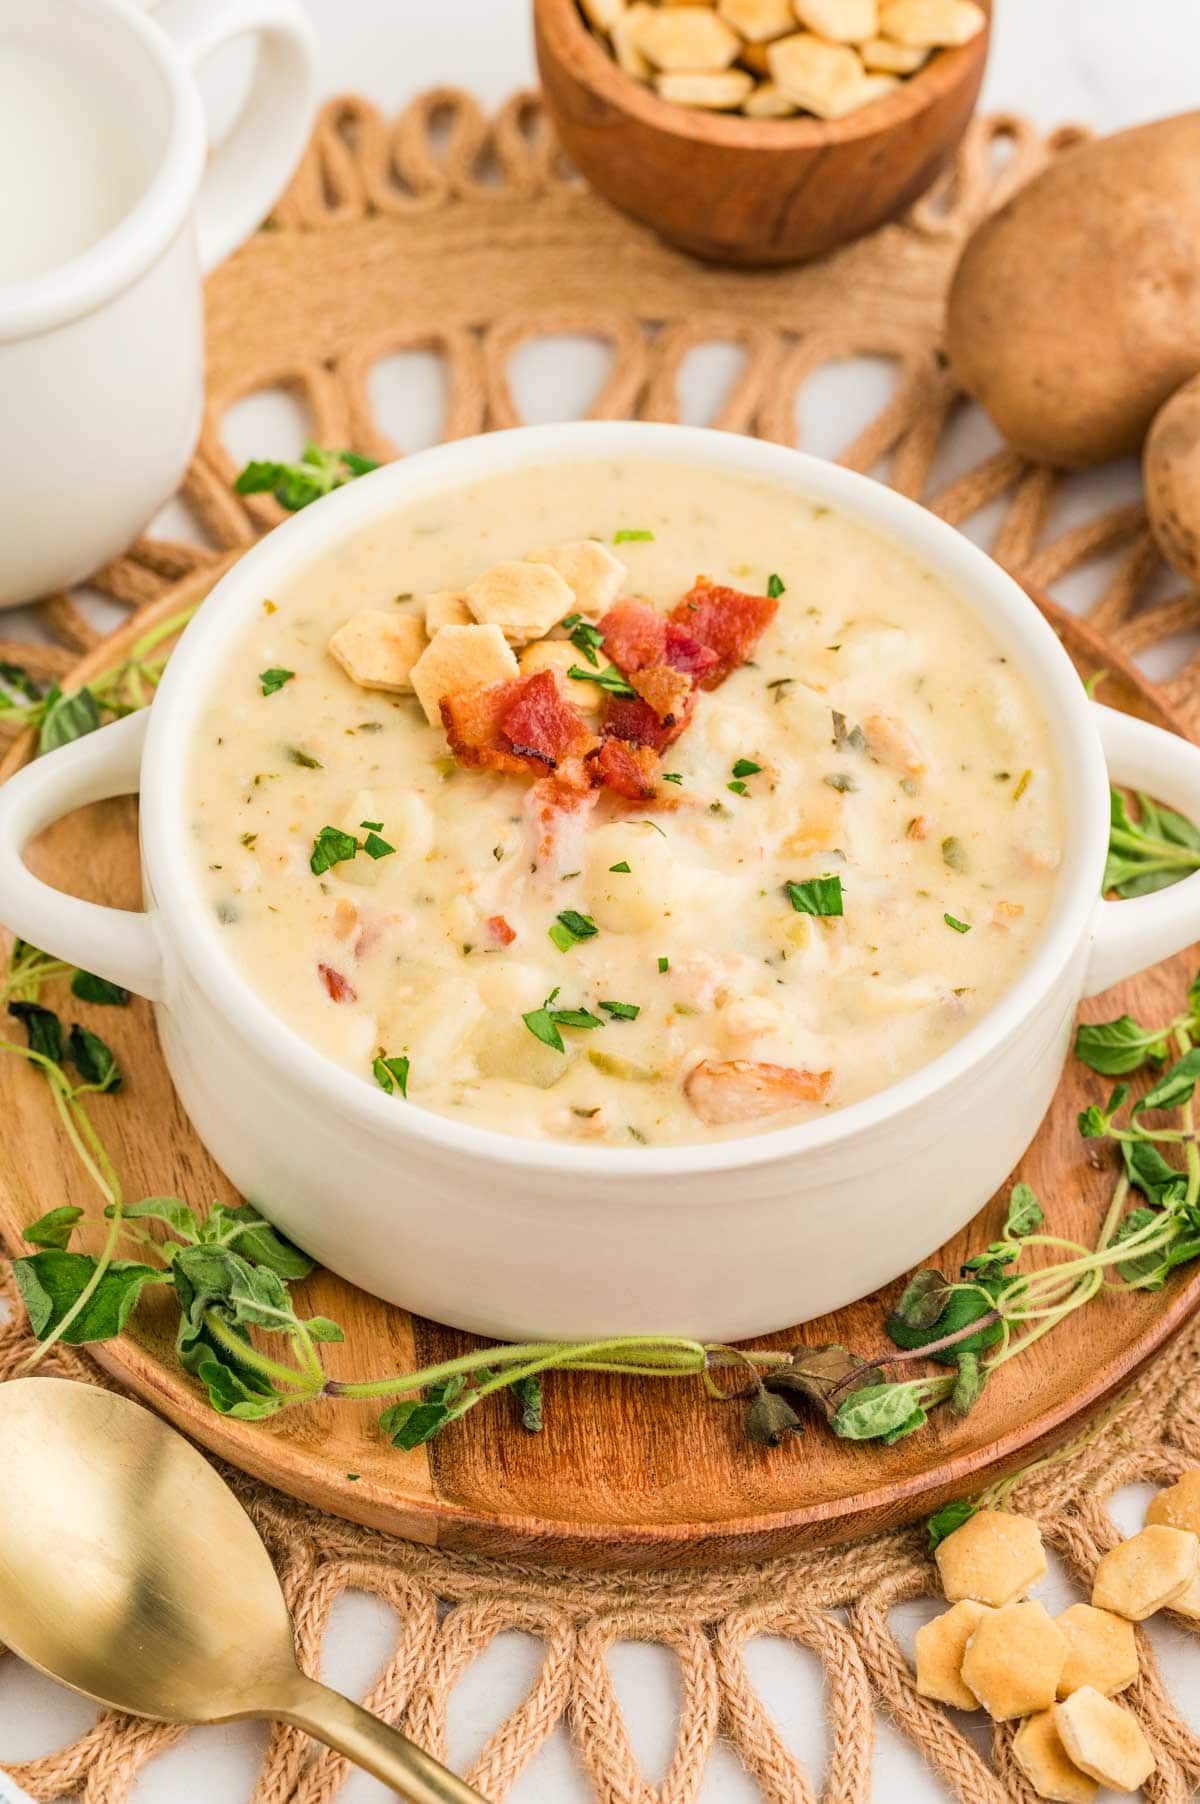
(609, 678)
(738, 788)
(375, 847)
(274, 679)
(575, 1017)
(297, 755)
(631, 535)
(672, 776)
(584, 637)
(295, 485)
(622, 868)
(664, 964)
(372, 826)
(571, 927)
(623, 1011)
(248, 840)
(775, 587)
(330, 847)
(746, 767)
(391, 1074)
(816, 896)
(958, 926)
(540, 1023)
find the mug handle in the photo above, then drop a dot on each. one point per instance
(250, 170)
(1137, 933)
(113, 942)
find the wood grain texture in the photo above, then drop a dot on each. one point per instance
(626, 1473)
(750, 191)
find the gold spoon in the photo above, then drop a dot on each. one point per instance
(130, 1571)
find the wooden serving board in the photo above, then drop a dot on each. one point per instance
(626, 1472)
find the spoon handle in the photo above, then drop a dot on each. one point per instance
(374, 1745)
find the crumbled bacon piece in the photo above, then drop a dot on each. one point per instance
(501, 932)
(629, 770)
(629, 717)
(661, 659)
(339, 989)
(728, 622)
(525, 724)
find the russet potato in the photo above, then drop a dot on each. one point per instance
(1171, 468)
(1075, 309)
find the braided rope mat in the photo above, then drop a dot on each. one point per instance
(450, 233)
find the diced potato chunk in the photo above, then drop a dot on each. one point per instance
(931, 24)
(1105, 1740)
(656, 890)
(1014, 1660)
(378, 650)
(755, 21)
(893, 59)
(720, 91)
(407, 826)
(446, 607)
(813, 73)
(1179, 1505)
(940, 1646)
(507, 1049)
(768, 102)
(459, 658)
(523, 599)
(559, 655)
(1147, 1571)
(687, 38)
(994, 1558)
(841, 21)
(594, 576)
(1038, 1750)
(433, 1008)
(1103, 1650)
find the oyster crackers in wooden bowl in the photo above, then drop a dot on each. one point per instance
(848, 111)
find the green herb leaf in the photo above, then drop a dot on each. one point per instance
(67, 718)
(884, 1412)
(738, 788)
(330, 847)
(586, 638)
(624, 1011)
(1024, 1212)
(921, 1303)
(168, 1209)
(234, 1393)
(93, 1059)
(947, 1519)
(43, 1029)
(90, 988)
(631, 535)
(412, 1423)
(770, 1419)
(664, 964)
(295, 485)
(775, 587)
(1144, 1265)
(969, 1385)
(295, 754)
(622, 868)
(52, 1282)
(54, 1229)
(1115, 1048)
(273, 680)
(1175, 1086)
(244, 1229)
(746, 767)
(1092, 1123)
(374, 847)
(1149, 1172)
(958, 926)
(18, 678)
(528, 1393)
(570, 927)
(540, 1023)
(824, 1376)
(391, 1074)
(672, 776)
(608, 679)
(575, 1017)
(816, 896)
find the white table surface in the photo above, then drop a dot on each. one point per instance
(1108, 62)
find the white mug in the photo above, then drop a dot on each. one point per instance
(102, 353)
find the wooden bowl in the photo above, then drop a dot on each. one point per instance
(750, 191)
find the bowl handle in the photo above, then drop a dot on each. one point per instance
(1137, 933)
(112, 942)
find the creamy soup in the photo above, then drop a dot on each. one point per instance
(821, 851)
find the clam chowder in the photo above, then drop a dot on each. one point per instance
(626, 803)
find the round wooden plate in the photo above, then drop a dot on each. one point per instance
(626, 1472)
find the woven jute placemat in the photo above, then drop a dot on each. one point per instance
(446, 232)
